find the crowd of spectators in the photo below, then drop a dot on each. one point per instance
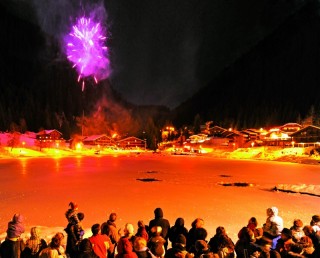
(151, 240)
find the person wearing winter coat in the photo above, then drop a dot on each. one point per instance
(222, 244)
(244, 245)
(161, 222)
(156, 242)
(125, 249)
(86, 250)
(110, 229)
(274, 224)
(15, 226)
(201, 249)
(178, 249)
(197, 232)
(100, 243)
(309, 231)
(13, 245)
(34, 245)
(284, 243)
(142, 231)
(74, 236)
(12, 248)
(176, 230)
(253, 225)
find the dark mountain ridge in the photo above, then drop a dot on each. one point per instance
(276, 82)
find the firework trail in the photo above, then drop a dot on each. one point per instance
(86, 49)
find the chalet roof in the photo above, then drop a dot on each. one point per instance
(95, 137)
(291, 125)
(48, 132)
(305, 129)
(130, 138)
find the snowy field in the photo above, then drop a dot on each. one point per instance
(224, 192)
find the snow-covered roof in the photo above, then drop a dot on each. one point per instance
(95, 137)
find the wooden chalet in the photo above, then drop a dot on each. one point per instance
(309, 135)
(49, 138)
(49, 135)
(131, 143)
(101, 139)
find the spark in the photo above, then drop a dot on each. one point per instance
(86, 49)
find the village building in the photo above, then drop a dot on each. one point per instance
(132, 143)
(99, 140)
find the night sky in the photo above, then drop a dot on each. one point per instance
(162, 52)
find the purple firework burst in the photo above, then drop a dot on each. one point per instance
(86, 49)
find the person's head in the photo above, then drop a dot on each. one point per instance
(141, 224)
(286, 234)
(139, 243)
(315, 220)
(112, 217)
(297, 224)
(273, 211)
(158, 213)
(95, 229)
(60, 235)
(201, 246)
(197, 223)
(55, 242)
(220, 231)
(80, 216)
(252, 223)
(181, 240)
(34, 233)
(128, 229)
(179, 222)
(200, 233)
(246, 234)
